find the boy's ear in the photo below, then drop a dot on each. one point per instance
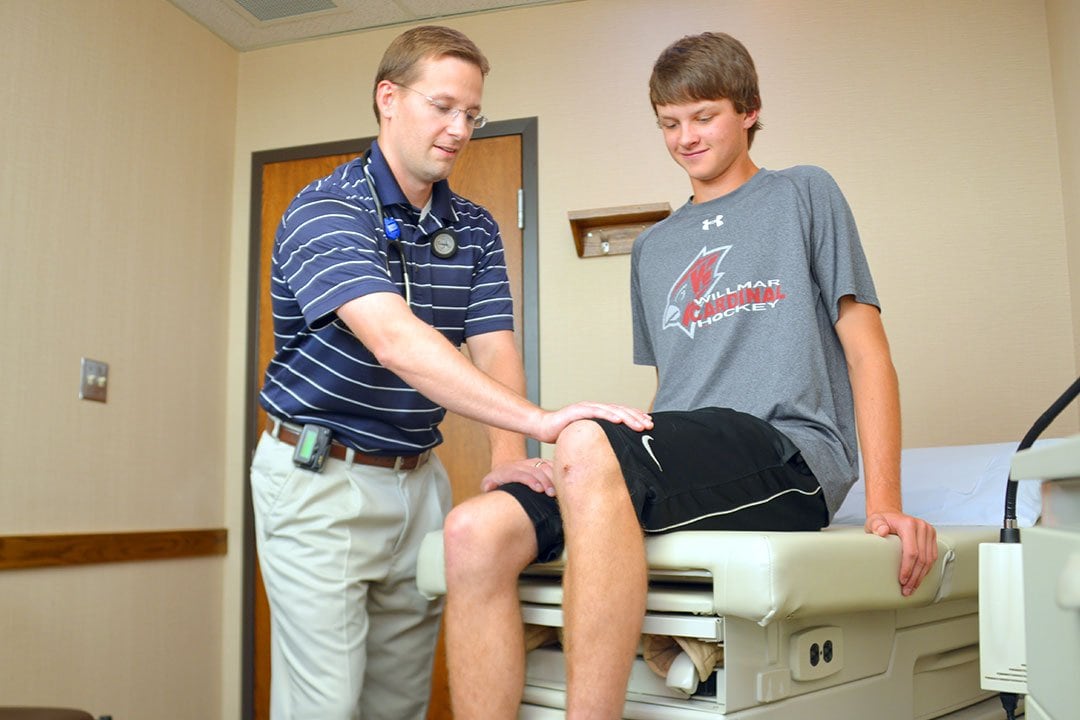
(751, 118)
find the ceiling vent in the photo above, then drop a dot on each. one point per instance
(266, 10)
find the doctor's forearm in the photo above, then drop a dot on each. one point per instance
(422, 357)
(496, 355)
(427, 362)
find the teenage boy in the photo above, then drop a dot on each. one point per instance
(379, 273)
(755, 304)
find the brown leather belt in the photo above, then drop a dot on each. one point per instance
(340, 452)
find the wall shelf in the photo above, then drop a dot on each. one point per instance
(611, 231)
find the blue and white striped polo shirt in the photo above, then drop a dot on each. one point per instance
(329, 250)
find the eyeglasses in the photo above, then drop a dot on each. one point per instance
(448, 113)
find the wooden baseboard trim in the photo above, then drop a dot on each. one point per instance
(18, 552)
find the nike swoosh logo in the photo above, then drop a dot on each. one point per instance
(646, 440)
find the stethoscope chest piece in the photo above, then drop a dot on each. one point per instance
(444, 243)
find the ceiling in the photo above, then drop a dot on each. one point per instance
(253, 24)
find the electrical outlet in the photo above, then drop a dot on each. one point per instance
(816, 653)
(95, 380)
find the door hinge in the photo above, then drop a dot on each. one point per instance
(521, 209)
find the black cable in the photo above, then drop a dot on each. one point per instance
(1009, 701)
(1010, 533)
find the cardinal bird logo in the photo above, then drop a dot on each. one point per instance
(694, 285)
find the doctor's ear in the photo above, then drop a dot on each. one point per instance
(385, 97)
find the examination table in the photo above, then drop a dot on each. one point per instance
(811, 624)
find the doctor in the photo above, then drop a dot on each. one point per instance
(379, 273)
(755, 305)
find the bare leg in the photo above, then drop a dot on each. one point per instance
(488, 541)
(606, 578)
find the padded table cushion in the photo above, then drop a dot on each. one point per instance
(764, 576)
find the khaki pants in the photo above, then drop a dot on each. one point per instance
(351, 637)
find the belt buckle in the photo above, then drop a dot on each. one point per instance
(400, 460)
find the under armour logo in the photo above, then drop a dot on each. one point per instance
(646, 440)
(715, 222)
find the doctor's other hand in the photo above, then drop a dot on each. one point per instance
(918, 545)
(552, 423)
(534, 472)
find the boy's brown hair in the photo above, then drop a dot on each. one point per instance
(710, 66)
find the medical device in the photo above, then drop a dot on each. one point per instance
(312, 447)
(444, 242)
(1002, 636)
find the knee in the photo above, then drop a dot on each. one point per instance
(581, 440)
(478, 543)
(583, 457)
(463, 532)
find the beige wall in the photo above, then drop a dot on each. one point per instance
(125, 189)
(116, 138)
(1063, 22)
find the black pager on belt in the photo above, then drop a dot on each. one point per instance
(312, 447)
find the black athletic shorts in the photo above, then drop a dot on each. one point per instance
(706, 469)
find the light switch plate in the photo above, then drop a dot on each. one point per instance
(95, 380)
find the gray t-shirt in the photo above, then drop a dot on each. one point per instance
(734, 302)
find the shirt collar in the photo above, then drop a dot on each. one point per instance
(390, 192)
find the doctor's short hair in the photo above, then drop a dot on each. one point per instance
(709, 66)
(401, 61)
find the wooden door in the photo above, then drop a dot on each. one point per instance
(488, 172)
(280, 183)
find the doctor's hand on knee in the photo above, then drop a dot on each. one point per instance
(918, 545)
(534, 472)
(552, 423)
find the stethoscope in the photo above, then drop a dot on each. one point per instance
(443, 243)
